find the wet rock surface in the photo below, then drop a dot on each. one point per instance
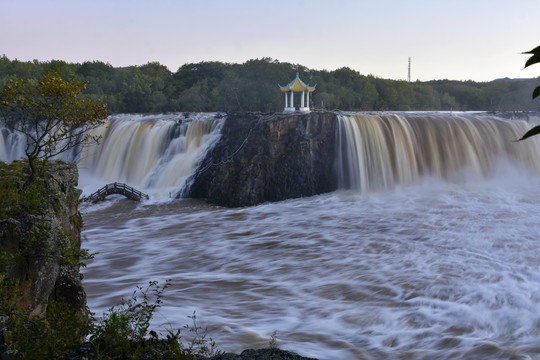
(261, 354)
(268, 157)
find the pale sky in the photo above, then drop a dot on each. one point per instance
(478, 40)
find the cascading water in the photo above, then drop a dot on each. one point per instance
(379, 151)
(375, 151)
(11, 145)
(154, 153)
(441, 269)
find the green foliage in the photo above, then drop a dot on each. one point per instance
(534, 131)
(272, 344)
(535, 58)
(71, 256)
(197, 341)
(128, 322)
(52, 114)
(123, 332)
(252, 86)
(31, 337)
(51, 337)
(15, 199)
(36, 242)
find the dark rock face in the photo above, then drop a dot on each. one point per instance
(40, 272)
(261, 354)
(273, 157)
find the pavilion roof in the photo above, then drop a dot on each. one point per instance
(297, 85)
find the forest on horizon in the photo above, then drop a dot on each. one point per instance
(253, 86)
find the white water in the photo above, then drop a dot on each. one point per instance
(430, 261)
(377, 151)
(428, 257)
(11, 146)
(430, 271)
(153, 153)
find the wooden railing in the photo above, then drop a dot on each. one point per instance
(116, 188)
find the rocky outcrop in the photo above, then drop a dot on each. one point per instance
(268, 157)
(44, 244)
(261, 354)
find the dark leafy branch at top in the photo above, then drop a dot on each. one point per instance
(535, 58)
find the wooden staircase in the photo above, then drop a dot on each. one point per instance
(116, 188)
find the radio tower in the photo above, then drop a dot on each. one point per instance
(409, 74)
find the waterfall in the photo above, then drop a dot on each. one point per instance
(157, 153)
(153, 153)
(377, 151)
(11, 145)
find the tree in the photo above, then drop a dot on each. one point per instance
(535, 58)
(52, 113)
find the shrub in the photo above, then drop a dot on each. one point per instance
(123, 332)
(30, 337)
(15, 200)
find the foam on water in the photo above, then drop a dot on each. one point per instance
(433, 270)
(433, 253)
(154, 153)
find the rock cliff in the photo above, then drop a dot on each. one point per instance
(268, 157)
(44, 244)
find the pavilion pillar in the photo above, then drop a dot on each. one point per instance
(291, 104)
(297, 86)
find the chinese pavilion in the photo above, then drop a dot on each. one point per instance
(297, 86)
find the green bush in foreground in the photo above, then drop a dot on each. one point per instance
(49, 337)
(534, 59)
(122, 333)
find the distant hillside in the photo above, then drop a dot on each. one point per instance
(253, 86)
